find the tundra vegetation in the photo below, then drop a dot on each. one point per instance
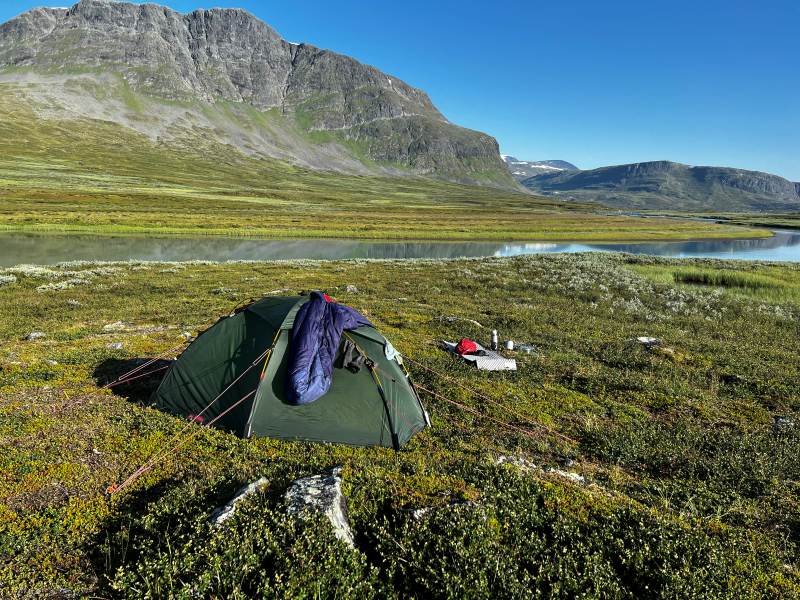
(97, 177)
(673, 479)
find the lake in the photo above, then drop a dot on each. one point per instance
(16, 248)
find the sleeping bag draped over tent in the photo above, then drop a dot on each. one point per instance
(236, 374)
(316, 336)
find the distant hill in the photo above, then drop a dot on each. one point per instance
(522, 169)
(222, 75)
(665, 185)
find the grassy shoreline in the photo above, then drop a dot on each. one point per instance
(413, 224)
(599, 237)
(687, 490)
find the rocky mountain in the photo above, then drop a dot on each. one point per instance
(522, 169)
(225, 74)
(664, 185)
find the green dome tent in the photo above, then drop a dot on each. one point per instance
(239, 368)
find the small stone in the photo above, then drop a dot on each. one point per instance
(35, 335)
(322, 494)
(782, 424)
(116, 346)
(118, 326)
(574, 477)
(74, 304)
(420, 513)
(351, 289)
(528, 349)
(649, 342)
(222, 290)
(520, 462)
(52, 363)
(223, 513)
(187, 336)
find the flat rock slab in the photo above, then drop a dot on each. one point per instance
(647, 342)
(322, 494)
(223, 513)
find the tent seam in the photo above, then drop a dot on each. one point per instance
(257, 397)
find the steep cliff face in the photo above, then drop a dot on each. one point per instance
(665, 185)
(228, 55)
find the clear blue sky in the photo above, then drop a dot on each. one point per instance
(589, 81)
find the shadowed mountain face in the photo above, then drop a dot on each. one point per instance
(289, 101)
(664, 185)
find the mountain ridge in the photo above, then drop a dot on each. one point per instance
(522, 169)
(228, 55)
(667, 185)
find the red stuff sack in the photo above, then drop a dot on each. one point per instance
(466, 346)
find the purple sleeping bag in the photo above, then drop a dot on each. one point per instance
(316, 334)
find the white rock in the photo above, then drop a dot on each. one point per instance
(118, 326)
(35, 335)
(518, 461)
(223, 513)
(116, 346)
(351, 289)
(782, 424)
(527, 466)
(420, 513)
(322, 494)
(575, 477)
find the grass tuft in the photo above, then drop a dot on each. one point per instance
(728, 279)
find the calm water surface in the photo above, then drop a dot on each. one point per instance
(18, 248)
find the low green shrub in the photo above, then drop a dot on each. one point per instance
(728, 279)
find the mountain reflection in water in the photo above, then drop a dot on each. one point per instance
(18, 248)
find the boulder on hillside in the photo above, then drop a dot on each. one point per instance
(223, 513)
(322, 494)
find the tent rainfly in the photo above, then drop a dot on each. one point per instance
(375, 406)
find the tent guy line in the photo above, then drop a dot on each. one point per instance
(191, 419)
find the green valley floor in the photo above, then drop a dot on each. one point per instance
(94, 177)
(653, 470)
